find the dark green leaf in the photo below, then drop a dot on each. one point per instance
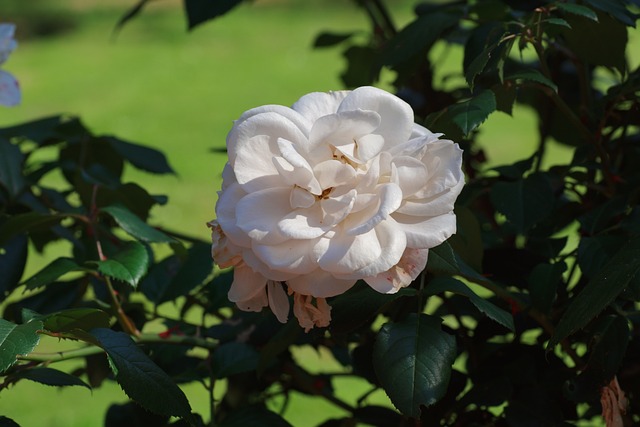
(417, 36)
(610, 281)
(326, 39)
(136, 227)
(50, 273)
(233, 358)
(7, 422)
(361, 68)
(543, 283)
(44, 130)
(413, 361)
(479, 63)
(615, 8)
(129, 264)
(505, 94)
(277, 344)
(52, 377)
(144, 158)
(30, 221)
(515, 170)
(469, 114)
(13, 257)
(199, 11)
(532, 75)
(17, 340)
(609, 344)
(76, 318)
(442, 260)
(11, 159)
(557, 21)
(254, 416)
(449, 284)
(578, 9)
(524, 202)
(140, 378)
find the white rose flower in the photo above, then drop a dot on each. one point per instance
(9, 88)
(342, 186)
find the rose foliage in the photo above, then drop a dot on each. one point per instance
(526, 312)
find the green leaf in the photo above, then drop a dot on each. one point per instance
(609, 344)
(479, 63)
(505, 94)
(278, 343)
(254, 416)
(50, 273)
(413, 359)
(83, 319)
(52, 377)
(558, 21)
(11, 159)
(144, 158)
(609, 282)
(30, 221)
(442, 259)
(7, 422)
(13, 258)
(493, 312)
(533, 75)
(615, 8)
(140, 378)
(136, 227)
(471, 113)
(543, 283)
(233, 358)
(417, 36)
(524, 202)
(199, 11)
(17, 340)
(578, 9)
(327, 39)
(129, 264)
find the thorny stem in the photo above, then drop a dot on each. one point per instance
(124, 320)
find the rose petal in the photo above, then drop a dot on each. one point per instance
(257, 214)
(401, 275)
(433, 205)
(257, 265)
(390, 196)
(293, 116)
(332, 173)
(304, 223)
(291, 256)
(396, 122)
(301, 198)
(278, 301)
(226, 214)
(337, 207)
(320, 284)
(410, 174)
(426, 232)
(246, 285)
(317, 104)
(346, 253)
(343, 128)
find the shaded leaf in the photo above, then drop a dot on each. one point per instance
(140, 378)
(76, 318)
(52, 377)
(533, 75)
(442, 259)
(326, 39)
(17, 340)
(449, 284)
(144, 158)
(30, 221)
(13, 257)
(558, 21)
(469, 114)
(616, 9)
(608, 347)
(413, 359)
(543, 283)
(50, 273)
(128, 264)
(233, 358)
(136, 227)
(578, 9)
(610, 281)
(505, 94)
(7, 422)
(199, 11)
(254, 416)
(11, 159)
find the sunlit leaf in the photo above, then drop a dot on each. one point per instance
(133, 225)
(129, 264)
(469, 114)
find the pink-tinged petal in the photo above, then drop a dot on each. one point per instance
(223, 252)
(426, 232)
(226, 214)
(291, 256)
(278, 301)
(409, 173)
(320, 284)
(257, 265)
(10, 95)
(257, 214)
(317, 104)
(343, 128)
(396, 115)
(401, 275)
(347, 253)
(301, 198)
(246, 286)
(392, 242)
(333, 173)
(390, 196)
(304, 223)
(310, 315)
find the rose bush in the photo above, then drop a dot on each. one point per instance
(9, 88)
(341, 187)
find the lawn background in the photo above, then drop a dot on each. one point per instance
(178, 91)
